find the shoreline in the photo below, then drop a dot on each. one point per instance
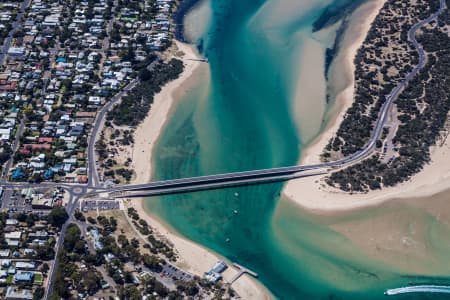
(192, 257)
(343, 81)
(147, 133)
(313, 193)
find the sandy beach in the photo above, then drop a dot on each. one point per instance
(149, 130)
(312, 193)
(192, 257)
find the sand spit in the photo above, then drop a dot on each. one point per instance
(308, 192)
(312, 193)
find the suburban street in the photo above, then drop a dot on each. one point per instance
(15, 25)
(97, 128)
(14, 149)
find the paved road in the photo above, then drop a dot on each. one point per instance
(211, 185)
(96, 129)
(70, 208)
(15, 25)
(14, 148)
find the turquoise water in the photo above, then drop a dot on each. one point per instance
(242, 119)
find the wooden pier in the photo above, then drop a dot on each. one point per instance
(242, 271)
(199, 59)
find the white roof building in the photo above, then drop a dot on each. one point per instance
(15, 235)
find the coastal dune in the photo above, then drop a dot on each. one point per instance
(192, 257)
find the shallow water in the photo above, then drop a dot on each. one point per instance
(252, 113)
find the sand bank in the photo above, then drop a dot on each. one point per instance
(406, 234)
(312, 193)
(193, 29)
(192, 257)
(307, 192)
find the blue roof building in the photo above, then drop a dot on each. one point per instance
(48, 174)
(219, 267)
(24, 277)
(17, 174)
(56, 168)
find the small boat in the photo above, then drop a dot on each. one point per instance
(236, 194)
(227, 240)
(235, 211)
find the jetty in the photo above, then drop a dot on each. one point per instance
(198, 59)
(242, 271)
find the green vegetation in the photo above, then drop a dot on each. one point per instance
(38, 293)
(156, 245)
(67, 272)
(422, 113)
(134, 107)
(57, 216)
(38, 278)
(378, 68)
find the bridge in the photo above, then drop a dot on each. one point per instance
(255, 176)
(201, 183)
(283, 173)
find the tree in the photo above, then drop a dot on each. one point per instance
(145, 74)
(21, 217)
(152, 262)
(57, 216)
(79, 216)
(38, 293)
(45, 252)
(45, 268)
(129, 292)
(73, 234)
(91, 281)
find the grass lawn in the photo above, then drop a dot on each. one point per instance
(38, 278)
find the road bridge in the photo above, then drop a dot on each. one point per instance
(263, 175)
(191, 187)
(286, 173)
